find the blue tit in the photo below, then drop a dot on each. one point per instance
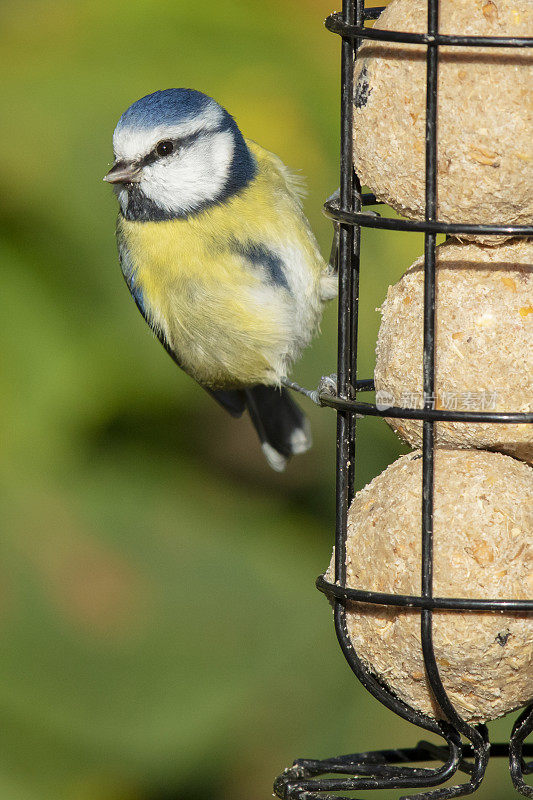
(219, 257)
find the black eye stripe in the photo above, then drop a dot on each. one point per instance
(154, 156)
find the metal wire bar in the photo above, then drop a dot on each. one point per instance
(428, 358)
(337, 24)
(478, 737)
(346, 593)
(522, 728)
(326, 398)
(335, 212)
(346, 243)
(435, 414)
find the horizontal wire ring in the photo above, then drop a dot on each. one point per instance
(333, 211)
(335, 24)
(345, 593)
(434, 414)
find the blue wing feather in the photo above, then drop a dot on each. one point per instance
(259, 256)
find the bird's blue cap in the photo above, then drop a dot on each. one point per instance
(169, 107)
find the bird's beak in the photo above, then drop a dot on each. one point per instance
(123, 172)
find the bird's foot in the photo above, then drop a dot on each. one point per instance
(328, 385)
(335, 200)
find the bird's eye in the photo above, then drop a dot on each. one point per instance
(165, 148)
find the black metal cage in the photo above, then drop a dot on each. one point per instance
(467, 748)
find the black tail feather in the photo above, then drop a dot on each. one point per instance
(281, 424)
(233, 400)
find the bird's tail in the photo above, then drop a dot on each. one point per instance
(281, 425)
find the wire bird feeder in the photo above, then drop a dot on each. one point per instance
(393, 768)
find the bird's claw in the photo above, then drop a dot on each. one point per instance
(328, 385)
(335, 200)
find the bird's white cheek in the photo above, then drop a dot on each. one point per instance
(196, 176)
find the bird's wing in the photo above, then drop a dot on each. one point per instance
(283, 182)
(234, 401)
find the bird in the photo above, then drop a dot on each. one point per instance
(219, 257)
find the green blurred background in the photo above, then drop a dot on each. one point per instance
(161, 637)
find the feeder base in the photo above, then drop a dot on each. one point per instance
(388, 769)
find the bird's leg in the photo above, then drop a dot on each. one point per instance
(312, 395)
(327, 385)
(334, 255)
(334, 199)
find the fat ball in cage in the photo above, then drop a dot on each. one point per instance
(391, 768)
